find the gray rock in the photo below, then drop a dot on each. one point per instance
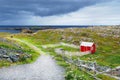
(8, 59)
(17, 55)
(3, 51)
(5, 56)
(19, 51)
(13, 57)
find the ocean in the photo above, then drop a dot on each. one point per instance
(11, 31)
(17, 29)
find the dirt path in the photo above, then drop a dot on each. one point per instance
(45, 68)
(29, 44)
(60, 44)
(66, 52)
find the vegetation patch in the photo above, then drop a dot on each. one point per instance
(107, 41)
(12, 52)
(104, 77)
(66, 48)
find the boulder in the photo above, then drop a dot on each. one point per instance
(14, 57)
(3, 51)
(5, 56)
(8, 59)
(19, 51)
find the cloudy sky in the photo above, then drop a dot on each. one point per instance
(59, 12)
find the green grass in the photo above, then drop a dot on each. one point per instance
(106, 46)
(13, 45)
(73, 73)
(106, 59)
(107, 54)
(3, 34)
(105, 77)
(66, 48)
(28, 50)
(5, 63)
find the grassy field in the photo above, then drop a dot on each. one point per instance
(107, 54)
(104, 77)
(72, 71)
(108, 47)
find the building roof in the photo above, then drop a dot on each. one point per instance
(86, 44)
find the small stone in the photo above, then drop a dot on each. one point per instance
(5, 56)
(18, 55)
(8, 59)
(14, 58)
(3, 51)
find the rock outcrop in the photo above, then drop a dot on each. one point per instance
(12, 55)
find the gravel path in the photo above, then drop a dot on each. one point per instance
(44, 68)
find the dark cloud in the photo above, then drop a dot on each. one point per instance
(12, 10)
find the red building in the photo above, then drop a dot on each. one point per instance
(88, 47)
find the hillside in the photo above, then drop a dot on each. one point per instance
(106, 38)
(12, 52)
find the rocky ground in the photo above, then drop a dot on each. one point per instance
(11, 52)
(12, 55)
(105, 31)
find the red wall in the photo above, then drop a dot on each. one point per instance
(87, 48)
(94, 49)
(82, 48)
